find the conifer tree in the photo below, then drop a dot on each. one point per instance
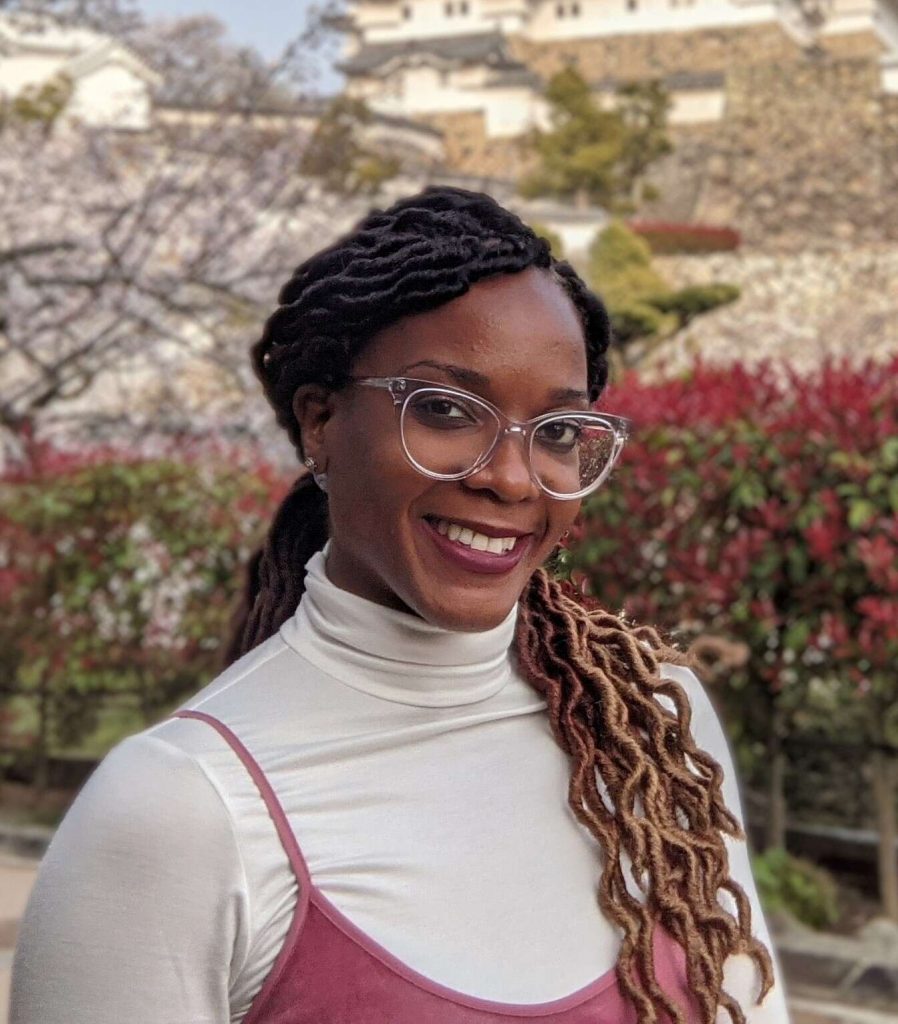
(594, 155)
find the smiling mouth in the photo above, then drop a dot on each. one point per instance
(474, 550)
(472, 539)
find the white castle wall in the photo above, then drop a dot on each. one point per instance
(19, 71)
(508, 110)
(555, 19)
(111, 95)
(380, 22)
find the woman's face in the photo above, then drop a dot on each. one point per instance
(515, 340)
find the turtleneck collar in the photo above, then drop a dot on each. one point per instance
(393, 654)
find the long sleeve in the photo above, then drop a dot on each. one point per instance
(741, 976)
(139, 907)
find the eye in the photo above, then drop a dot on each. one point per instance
(444, 412)
(559, 435)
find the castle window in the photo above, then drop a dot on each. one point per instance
(463, 7)
(449, 9)
(632, 5)
(559, 10)
(407, 12)
(575, 10)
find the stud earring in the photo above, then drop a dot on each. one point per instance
(319, 477)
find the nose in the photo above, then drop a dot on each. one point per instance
(507, 474)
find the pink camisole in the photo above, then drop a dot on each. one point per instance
(330, 972)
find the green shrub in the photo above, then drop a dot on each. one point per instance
(620, 267)
(638, 298)
(635, 320)
(790, 883)
(694, 300)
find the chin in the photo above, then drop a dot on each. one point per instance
(465, 615)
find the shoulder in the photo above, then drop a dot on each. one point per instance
(142, 887)
(151, 802)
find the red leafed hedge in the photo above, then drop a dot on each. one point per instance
(118, 572)
(670, 237)
(761, 506)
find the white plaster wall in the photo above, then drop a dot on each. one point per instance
(613, 17)
(696, 106)
(112, 96)
(509, 111)
(382, 22)
(890, 77)
(17, 72)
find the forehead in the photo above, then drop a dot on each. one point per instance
(517, 329)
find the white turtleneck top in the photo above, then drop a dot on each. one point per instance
(420, 776)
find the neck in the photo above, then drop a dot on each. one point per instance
(393, 654)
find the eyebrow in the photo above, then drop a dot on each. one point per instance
(471, 378)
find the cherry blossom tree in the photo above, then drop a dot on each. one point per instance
(136, 268)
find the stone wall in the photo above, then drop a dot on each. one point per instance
(889, 131)
(794, 307)
(469, 151)
(852, 44)
(651, 55)
(806, 149)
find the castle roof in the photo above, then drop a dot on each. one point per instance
(471, 48)
(81, 51)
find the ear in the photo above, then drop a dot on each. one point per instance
(313, 407)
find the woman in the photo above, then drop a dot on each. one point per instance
(363, 818)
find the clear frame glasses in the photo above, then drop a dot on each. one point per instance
(450, 434)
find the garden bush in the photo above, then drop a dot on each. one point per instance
(760, 507)
(695, 299)
(117, 576)
(639, 301)
(801, 888)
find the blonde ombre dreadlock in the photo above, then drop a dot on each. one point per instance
(662, 804)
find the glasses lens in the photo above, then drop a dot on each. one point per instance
(571, 453)
(446, 434)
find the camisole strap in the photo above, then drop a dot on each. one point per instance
(291, 848)
(278, 815)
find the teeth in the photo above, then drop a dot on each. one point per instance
(477, 541)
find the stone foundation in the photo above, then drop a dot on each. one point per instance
(469, 151)
(652, 55)
(794, 308)
(807, 147)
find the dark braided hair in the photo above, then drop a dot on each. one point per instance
(599, 675)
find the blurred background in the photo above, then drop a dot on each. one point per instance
(723, 172)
